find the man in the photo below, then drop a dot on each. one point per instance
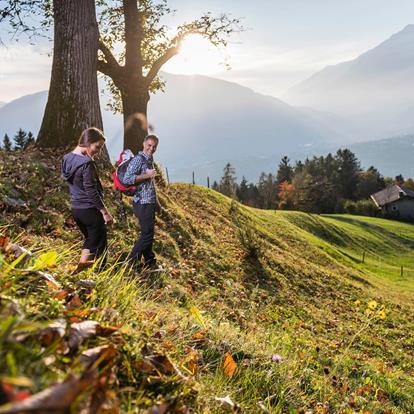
(141, 172)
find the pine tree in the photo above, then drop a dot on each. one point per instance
(285, 171)
(242, 191)
(7, 144)
(20, 140)
(348, 171)
(399, 180)
(228, 184)
(30, 139)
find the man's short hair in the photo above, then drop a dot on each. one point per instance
(152, 137)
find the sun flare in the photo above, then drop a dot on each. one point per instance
(197, 56)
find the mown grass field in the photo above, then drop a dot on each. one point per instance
(274, 309)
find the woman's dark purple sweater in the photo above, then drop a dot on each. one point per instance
(85, 189)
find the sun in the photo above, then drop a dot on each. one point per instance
(197, 56)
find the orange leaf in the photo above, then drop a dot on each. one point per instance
(229, 365)
(199, 336)
(4, 242)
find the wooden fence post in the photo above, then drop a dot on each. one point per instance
(208, 182)
(168, 177)
(193, 178)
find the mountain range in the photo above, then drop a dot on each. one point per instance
(374, 91)
(204, 122)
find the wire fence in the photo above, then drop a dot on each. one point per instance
(383, 264)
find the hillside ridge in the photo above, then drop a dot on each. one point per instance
(282, 298)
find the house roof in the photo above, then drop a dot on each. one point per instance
(390, 194)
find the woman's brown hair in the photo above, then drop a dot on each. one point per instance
(89, 136)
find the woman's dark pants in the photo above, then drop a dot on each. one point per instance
(93, 227)
(143, 246)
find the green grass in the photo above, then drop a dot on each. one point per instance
(238, 280)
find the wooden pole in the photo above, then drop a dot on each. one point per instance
(168, 177)
(208, 182)
(193, 178)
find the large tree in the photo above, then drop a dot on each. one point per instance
(73, 101)
(134, 29)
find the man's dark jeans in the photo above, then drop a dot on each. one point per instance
(143, 246)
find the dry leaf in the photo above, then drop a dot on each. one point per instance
(199, 336)
(226, 403)
(87, 329)
(10, 394)
(101, 353)
(4, 242)
(229, 365)
(74, 302)
(158, 409)
(53, 332)
(50, 280)
(56, 399)
(62, 293)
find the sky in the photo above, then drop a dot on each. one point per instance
(285, 42)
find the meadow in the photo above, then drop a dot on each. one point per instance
(255, 311)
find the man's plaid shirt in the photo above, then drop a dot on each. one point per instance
(145, 193)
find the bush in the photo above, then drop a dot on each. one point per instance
(360, 208)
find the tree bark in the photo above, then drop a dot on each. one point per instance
(73, 101)
(134, 108)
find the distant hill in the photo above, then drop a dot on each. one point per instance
(392, 156)
(2, 104)
(374, 91)
(203, 120)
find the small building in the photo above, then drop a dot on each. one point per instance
(395, 202)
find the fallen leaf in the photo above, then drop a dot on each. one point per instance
(197, 315)
(62, 293)
(4, 242)
(52, 333)
(158, 409)
(10, 394)
(87, 329)
(50, 280)
(99, 353)
(45, 261)
(87, 284)
(226, 403)
(74, 302)
(199, 336)
(229, 365)
(18, 252)
(57, 398)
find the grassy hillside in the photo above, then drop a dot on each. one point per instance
(275, 310)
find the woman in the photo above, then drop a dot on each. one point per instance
(88, 209)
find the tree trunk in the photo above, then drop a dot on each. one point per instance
(134, 105)
(73, 101)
